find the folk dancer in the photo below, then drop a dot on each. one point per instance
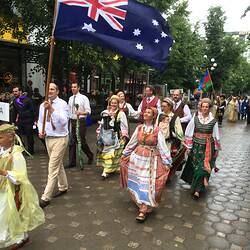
(203, 144)
(112, 135)
(181, 109)
(19, 203)
(170, 125)
(149, 100)
(145, 165)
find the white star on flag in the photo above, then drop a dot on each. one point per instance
(88, 27)
(163, 34)
(157, 40)
(139, 46)
(155, 23)
(137, 32)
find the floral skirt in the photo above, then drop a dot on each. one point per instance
(110, 160)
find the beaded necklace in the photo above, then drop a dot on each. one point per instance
(146, 134)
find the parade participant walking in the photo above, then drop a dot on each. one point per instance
(221, 109)
(232, 108)
(145, 165)
(170, 125)
(19, 204)
(149, 100)
(112, 135)
(244, 107)
(202, 140)
(181, 109)
(24, 116)
(56, 139)
(78, 107)
(126, 107)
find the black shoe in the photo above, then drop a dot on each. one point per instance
(70, 166)
(59, 193)
(43, 203)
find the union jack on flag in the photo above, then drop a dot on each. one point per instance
(108, 9)
(130, 28)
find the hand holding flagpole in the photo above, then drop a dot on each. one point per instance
(49, 73)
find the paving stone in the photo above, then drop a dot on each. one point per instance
(224, 228)
(216, 207)
(228, 216)
(241, 225)
(221, 198)
(204, 229)
(212, 217)
(100, 211)
(243, 214)
(235, 247)
(148, 229)
(238, 239)
(218, 242)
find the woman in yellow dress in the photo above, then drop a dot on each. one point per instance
(232, 108)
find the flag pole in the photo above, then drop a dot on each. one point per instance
(50, 64)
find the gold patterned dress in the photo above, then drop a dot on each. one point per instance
(19, 206)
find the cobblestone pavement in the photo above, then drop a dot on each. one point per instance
(97, 214)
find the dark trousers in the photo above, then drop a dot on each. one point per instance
(73, 141)
(27, 130)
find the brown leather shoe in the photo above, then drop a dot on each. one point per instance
(21, 244)
(59, 193)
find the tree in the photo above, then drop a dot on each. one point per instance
(186, 54)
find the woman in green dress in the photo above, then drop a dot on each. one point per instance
(202, 141)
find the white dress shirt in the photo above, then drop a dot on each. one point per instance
(187, 113)
(83, 103)
(57, 126)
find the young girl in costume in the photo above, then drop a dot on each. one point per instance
(19, 206)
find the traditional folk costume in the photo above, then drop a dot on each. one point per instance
(112, 135)
(202, 137)
(232, 113)
(19, 205)
(144, 169)
(182, 110)
(148, 102)
(129, 112)
(221, 111)
(171, 128)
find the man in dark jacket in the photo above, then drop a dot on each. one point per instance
(24, 116)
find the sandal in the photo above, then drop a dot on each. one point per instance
(141, 217)
(196, 195)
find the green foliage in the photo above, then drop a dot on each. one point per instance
(226, 50)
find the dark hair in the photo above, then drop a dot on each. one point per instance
(151, 88)
(76, 84)
(18, 87)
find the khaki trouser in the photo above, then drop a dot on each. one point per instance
(56, 147)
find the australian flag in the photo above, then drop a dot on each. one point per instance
(125, 26)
